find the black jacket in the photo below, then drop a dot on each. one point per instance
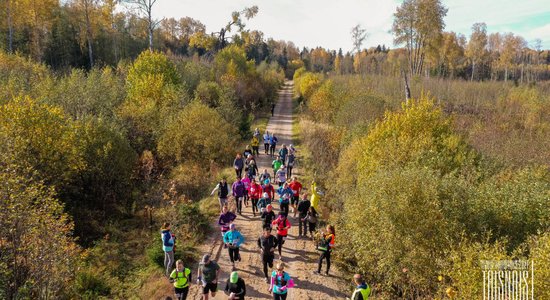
(268, 244)
(238, 288)
(303, 207)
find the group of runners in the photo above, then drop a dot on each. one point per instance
(256, 190)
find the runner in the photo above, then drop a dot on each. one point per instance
(272, 144)
(290, 161)
(233, 239)
(267, 244)
(181, 277)
(264, 176)
(168, 243)
(272, 109)
(256, 133)
(303, 209)
(226, 218)
(291, 149)
(238, 164)
(315, 195)
(285, 193)
(223, 190)
(281, 175)
(296, 188)
(311, 219)
(264, 202)
(208, 274)
(252, 168)
(325, 246)
(268, 216)
(255, 143)
(247, 151)
(238, 190)
(362, 290)
(283, 152)
(276, 165)
(235, 287)
(266, 142)
(282, 225)
(254, 192)
(269, 189)
(280, 283)
(246, 183)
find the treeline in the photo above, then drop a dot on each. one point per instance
(87, 33)
(425, 189)
(425, 49)
(83, 155)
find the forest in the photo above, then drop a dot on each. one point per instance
(112, 121)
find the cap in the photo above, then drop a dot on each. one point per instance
(234, 277)
(266, 181)
(205, 258)
(232, 226)
(266, 195)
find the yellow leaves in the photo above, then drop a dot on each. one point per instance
(197, 134)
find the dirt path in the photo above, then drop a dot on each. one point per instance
(299, 255)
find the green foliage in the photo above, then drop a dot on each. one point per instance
(395, 220)
(306, 83)
(198, 134)
(40, 137)
(37, 253)
(419, 134)
(539, 248)
(91, 286)
(462, 268)
(20, 76)
(96, 93)
(513, 205)
(155, 94)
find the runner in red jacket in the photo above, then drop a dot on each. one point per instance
(296, 188)
(269, 189)
(254, 193)
(282, 225)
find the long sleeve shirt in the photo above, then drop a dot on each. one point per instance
(239, 288)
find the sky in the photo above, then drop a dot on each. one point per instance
(327, 23)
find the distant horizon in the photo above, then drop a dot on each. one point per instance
(327, 24)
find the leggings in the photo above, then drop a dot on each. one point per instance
(254, 206)
(239, 172)
(256, 149)
(279, 296)
(284, 207)
(168, 261)
(324, 255)
(239, 204)
(288, 171)
(266, 148)
(234, 254)
(181, 294)
(272, 149)
(246, 198)
(280, 242)
(267, 260)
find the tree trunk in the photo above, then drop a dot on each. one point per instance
(10, 27)
(473, 70)
(89, 37)
(150, 19)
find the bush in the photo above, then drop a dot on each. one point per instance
(91, 286)
(199, 135)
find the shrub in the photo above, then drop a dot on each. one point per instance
(198, 134)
